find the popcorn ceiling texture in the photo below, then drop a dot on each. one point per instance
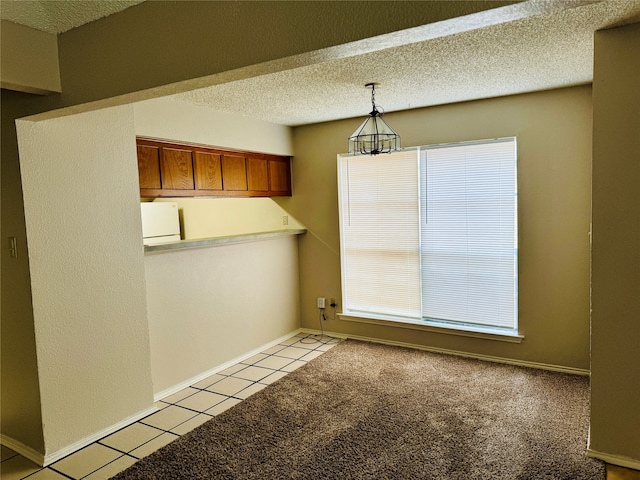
(60, 16)
(550, 50)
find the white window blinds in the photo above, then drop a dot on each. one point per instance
(431, 234)
(469, 249)
(379, 207)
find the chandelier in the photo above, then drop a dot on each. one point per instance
(374, 135)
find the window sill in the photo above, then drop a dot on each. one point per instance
(426, 326)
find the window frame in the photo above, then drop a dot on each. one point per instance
(424, 323)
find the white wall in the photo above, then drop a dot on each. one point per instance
(87, 272)
(210, 305)
(172, 120)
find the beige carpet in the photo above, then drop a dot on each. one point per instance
(368, 411)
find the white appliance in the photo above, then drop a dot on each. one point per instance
(160, 222)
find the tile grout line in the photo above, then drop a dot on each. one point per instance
(51, 467)
(318, 344)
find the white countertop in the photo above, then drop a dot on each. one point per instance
(218, 241)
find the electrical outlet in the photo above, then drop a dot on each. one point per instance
(322, 302)
(333, 303)
(285, 219)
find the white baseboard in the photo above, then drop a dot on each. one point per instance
(22, 449)
(47, 459)
(487, 358)
(74, 447)
(187, 383)
(619, 460)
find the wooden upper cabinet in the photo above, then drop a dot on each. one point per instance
(280, 175)
(258, 174)
(208, 171)
(172, 169)
(149, 166)
(177, 169)
(234, 173)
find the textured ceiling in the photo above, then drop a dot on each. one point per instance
(530, 46)
(58, 16)
(549, 50)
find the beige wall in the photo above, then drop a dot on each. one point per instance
(21, 419)
(615, 357)
(210, 305)
(87, 273)
(554, 166)
(128, 53)
(29, 60)
(221, 217)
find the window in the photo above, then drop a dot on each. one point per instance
(429, 235)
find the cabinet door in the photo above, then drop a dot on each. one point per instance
(149, 166)
(234, 173)
(177, 169)
(257, 174)
(208, 171)
(280, 175)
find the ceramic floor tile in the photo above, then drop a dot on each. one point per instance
(293, 366)
(131, 437)
(275, 349)
(292, 352)
(6, 453)
(155, 444)
(253, 373)
(233, 369)
(255, 359)
(202, 401)
(112, 468)
(181, 395)
(273, 377)
(311, 355)
(274, 362)
(229, 386)
(169, 417)
(160, 405)
(86, 461)
(247, 392)
(46, 474)
(290, 341)
(208, 381)
(17, 467)
(221, 407)
(190, 424)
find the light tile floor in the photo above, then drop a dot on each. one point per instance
(178, 414)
